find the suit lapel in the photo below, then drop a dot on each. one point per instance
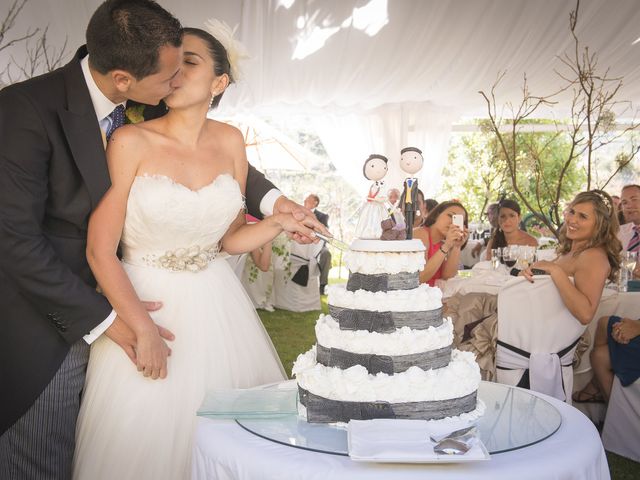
(83, 133)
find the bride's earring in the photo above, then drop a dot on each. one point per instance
(213, 97)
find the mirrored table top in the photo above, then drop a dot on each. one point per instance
(513, 419)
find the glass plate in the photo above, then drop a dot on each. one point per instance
(250, 403)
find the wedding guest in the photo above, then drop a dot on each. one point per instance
(429, 204)
(588, 251)
(492, 217)
(392, 196)
(324, 260)
(616, 201)
(616, 351)
(443, 241)
(508, 231)
(629, 234)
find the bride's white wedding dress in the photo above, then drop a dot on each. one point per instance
(132, 427)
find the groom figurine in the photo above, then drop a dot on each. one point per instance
(53, 173)
(410, 162)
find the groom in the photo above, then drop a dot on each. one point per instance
(53, 172)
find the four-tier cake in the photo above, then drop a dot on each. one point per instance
(385, 350)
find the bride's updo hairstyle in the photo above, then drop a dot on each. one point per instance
(218, 54)
(605, 234)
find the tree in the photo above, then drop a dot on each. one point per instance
(477, 172)
(591, 126)
(40, 57)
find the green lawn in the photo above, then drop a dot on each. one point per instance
(293, 334)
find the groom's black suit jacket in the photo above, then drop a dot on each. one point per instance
(53, 172)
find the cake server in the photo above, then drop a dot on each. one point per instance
(339, 244)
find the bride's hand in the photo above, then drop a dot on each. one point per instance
(151, 354)
(303, 227)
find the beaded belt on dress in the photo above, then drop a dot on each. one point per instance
(191, 259)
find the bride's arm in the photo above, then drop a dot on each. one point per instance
(105, 230)
(243, 238)
(582, 296)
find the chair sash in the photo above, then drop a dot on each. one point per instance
(545, 369)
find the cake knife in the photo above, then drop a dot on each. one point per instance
(339, 244)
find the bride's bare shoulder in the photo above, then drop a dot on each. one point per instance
(226, 131)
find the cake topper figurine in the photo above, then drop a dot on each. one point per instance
(374, 210)
(410, 162)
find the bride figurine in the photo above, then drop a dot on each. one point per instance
(374, 211)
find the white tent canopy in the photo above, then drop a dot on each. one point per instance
(378, 75)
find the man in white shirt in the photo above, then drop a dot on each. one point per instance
(630, 205)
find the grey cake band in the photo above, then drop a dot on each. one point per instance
(324, 410)
(383, 282)
(335, 357)
(384, 322)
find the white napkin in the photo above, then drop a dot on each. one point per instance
(387, 440)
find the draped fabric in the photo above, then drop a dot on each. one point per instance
(378, 75)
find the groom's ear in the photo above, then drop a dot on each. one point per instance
(122, 80)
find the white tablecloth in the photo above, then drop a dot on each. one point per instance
(225, 451)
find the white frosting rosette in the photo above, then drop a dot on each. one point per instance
(460, 378)
(423, 298)
(404, 341)
(373, 263)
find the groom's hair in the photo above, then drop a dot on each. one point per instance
(127, 34)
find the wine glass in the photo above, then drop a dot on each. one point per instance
(526, 256)
(496, 258)
(629, 260)
(510, 255)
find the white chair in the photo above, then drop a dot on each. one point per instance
(536, 332)
(621, 432)
(289, 295)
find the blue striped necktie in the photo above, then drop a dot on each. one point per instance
(634, 243)
(117, 120)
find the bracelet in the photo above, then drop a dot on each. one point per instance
(442, 250)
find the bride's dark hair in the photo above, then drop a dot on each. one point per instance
(218, 54)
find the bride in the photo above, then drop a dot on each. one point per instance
(176, 198)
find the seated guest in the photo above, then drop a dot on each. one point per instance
(392, 196)
(508, 231)
(324, 261)
(492, 217)
(616, 350)
(429, 204)
(588, 251)
(443, 241)
(630, 208)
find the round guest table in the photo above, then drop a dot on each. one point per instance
(226, 450)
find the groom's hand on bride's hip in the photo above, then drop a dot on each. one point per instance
(308, 223)
(120, 333)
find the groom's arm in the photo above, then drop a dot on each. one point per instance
(261, 194)
(27, 257)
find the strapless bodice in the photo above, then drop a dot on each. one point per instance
(168, 225)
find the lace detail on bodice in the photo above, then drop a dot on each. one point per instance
(165, 218)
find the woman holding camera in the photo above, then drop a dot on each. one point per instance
(443, 233)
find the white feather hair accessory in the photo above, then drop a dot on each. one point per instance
(236, 51)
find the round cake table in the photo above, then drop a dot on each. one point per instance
(530, 436)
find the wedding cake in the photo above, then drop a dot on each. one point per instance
(385, 350)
